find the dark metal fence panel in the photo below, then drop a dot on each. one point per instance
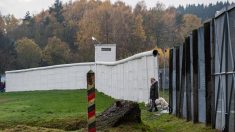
(188, 79)
(208, 71)
(180, 86)
(204, 74)
(182, 94)
(220, 68)
(195, 76)
(174, 82)
(183, 83)
(177, 80)
(191, 72)
(171, 80)
(201, 75)
(231, 69)
(212, 49)
(224, 72)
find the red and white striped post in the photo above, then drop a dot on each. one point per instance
(91, 101)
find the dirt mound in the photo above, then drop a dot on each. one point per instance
(22, 128)
(68, 125)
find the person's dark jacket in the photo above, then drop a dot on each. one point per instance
(154, 91)
(1, 85)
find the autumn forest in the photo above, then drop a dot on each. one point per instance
(62, 34)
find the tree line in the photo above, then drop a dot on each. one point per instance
(203, 11)
(62, 34)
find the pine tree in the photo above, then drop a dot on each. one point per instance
(27, 17)
(57, 10)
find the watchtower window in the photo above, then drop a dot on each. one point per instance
(105, 49)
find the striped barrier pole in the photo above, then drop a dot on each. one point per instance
(91, 101)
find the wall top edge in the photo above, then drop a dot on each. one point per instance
(136, 56)
(225, 9)
(52, 67)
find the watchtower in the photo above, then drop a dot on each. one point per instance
(105, 52)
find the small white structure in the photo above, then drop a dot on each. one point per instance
(105, 52)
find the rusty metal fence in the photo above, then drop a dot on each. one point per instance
(202, 74)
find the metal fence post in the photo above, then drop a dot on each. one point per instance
(188, 79)
(212, 51)
(171, 82)
(208, 74)
(177, 54)
(195, 76)
(182, 86)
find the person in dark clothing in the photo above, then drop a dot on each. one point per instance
(1, 87)
(153, 94)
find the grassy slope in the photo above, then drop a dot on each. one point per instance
(43, 107)
(64, 109)
(170, 123)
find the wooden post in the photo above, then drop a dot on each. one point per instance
(195, 76)
(91, 101)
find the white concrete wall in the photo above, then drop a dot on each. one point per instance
(125, 79)
(69, 76)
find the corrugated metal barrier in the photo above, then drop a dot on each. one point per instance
(202, 74)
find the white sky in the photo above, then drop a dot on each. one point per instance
(20, 7)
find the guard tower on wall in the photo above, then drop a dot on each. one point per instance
(105, 52)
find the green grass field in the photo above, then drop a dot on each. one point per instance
(66, 110)
(47, 108)
(170, 123)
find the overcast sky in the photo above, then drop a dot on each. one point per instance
(20, 7)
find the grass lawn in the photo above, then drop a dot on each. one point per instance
(170, 123)
(47, 108)
(66, 110)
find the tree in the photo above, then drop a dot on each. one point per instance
(57, 10)
(27, 19)
(7, 54)
(122, 29)
(56, 52)
(28, 53)
(2, 24)
(154, 25)
(202, 11)
(17, 30)
(139, 30)
(189, 23)
(133, 30)
(139, 37)
(11, 22)
(168, 34)
(90, 25)
(140, 8)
